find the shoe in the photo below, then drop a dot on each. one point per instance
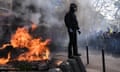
(77, 54)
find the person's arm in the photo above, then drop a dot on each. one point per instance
(76, 23)
(67, 22)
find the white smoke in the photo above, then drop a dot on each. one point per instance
(49, 8)
(50, 13)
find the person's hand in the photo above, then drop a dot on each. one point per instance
(79, 31)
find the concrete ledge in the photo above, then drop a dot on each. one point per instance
(73, 65)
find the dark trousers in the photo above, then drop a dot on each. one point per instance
(72, 47)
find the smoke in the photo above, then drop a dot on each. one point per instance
(49, 14)
(93, 25)
(49, 17)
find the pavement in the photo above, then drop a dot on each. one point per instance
(95, 58)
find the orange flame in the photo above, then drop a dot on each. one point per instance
(21, 38)
(4, 60)
(4, 46)
(34, 26)
(37, 49)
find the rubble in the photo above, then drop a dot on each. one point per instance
(69, 65)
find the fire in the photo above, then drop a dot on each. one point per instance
(37, 51)
(21, 38)
(34, 26)
(4, 60)
(37, 48)
(4, 46)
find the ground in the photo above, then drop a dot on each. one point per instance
(112, 63)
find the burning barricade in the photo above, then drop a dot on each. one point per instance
(37, 49)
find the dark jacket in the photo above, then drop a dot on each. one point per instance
(71, 21)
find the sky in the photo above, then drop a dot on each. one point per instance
(106, 8)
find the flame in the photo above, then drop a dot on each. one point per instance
(37, 48)
(34, 26)
(4, 46)
(37, 51)
(59, 63)
(5, 60)
(21, 38)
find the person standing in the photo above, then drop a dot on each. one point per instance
(72, 26)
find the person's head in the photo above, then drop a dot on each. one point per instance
(73, 7)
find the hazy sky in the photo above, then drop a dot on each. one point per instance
(106, 8)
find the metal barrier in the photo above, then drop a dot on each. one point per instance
(103, 58)
(87, 54)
